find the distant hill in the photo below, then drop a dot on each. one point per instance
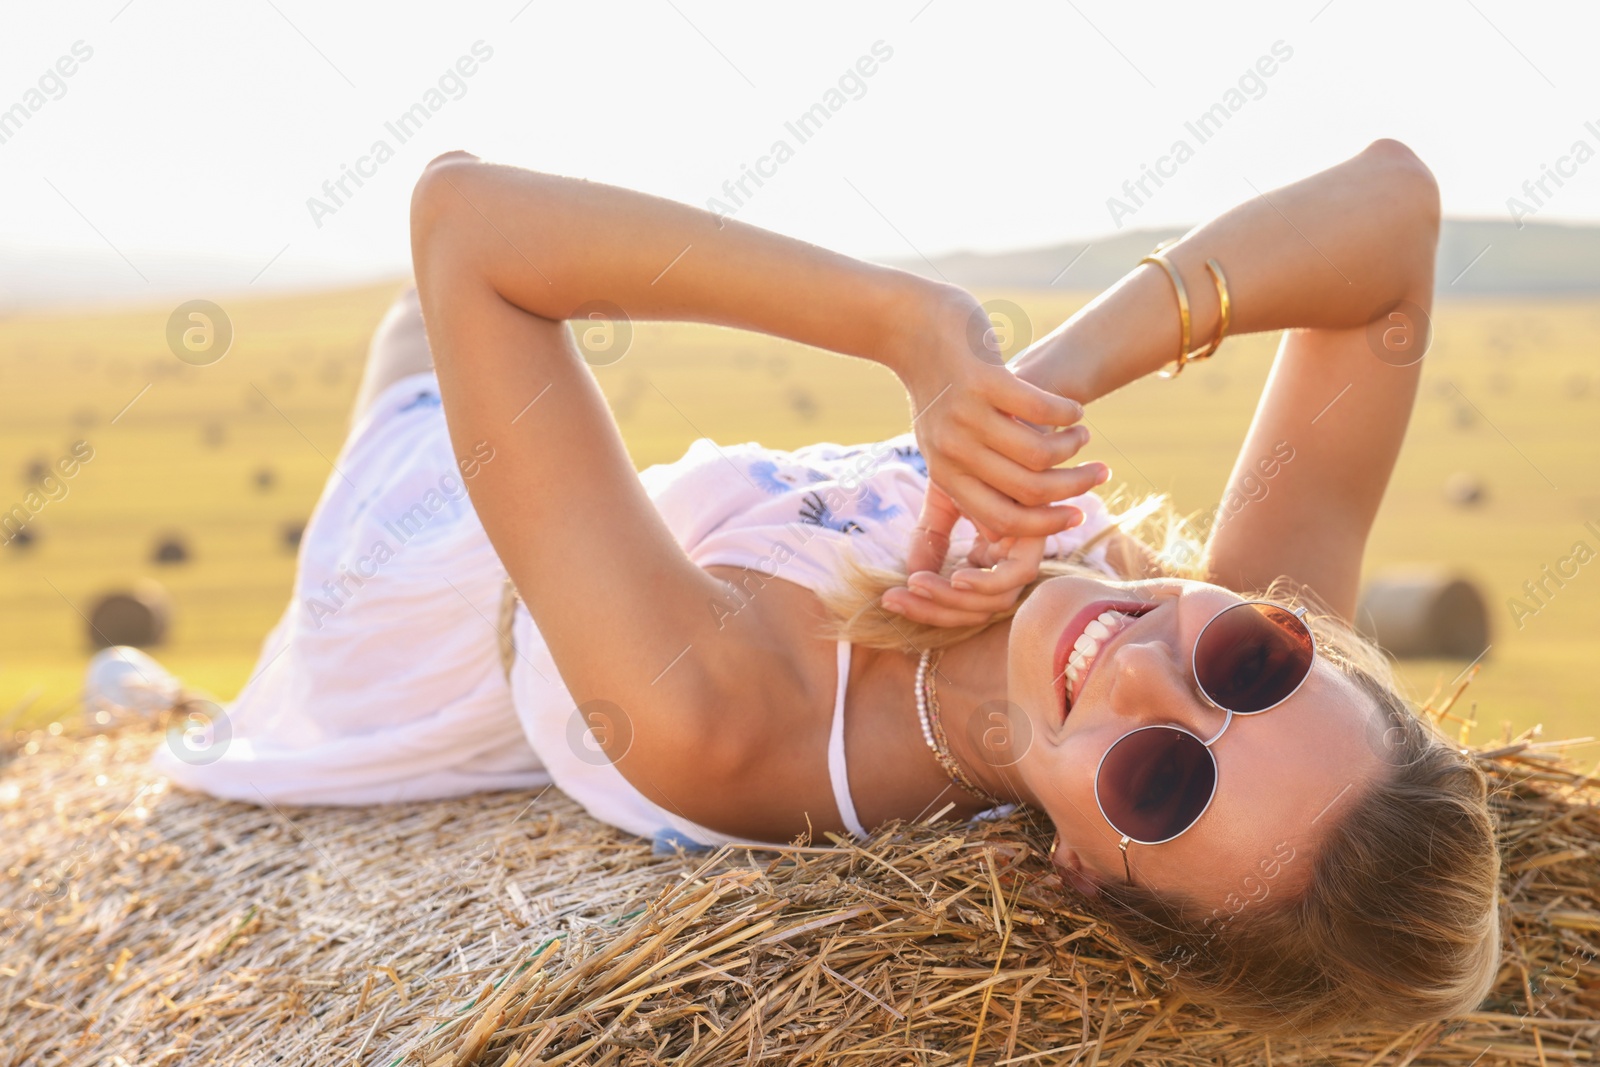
(1540, 258)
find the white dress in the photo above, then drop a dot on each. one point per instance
(383, 680)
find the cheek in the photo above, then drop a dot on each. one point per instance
(1065, 784)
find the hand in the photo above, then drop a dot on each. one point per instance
(970, 596)
(972, 419)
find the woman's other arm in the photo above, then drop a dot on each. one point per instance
(1325, 258)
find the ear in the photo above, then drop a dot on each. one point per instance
(1072, 875)
(1082, 883)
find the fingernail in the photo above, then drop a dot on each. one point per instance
(921, 592)
(1105, 475)
(960, 583)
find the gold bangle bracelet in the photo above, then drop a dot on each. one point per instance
(1184, 321)
(1225, 313)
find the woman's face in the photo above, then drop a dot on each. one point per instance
(1283, 775)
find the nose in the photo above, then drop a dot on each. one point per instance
(1153, 684)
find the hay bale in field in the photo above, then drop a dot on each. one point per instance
(137, 617)
(264, 479)
(170, 548)
(214, 434)
(290, 534)
(1424, 613)
(23, 539)
(1464, 489)
(148, 925)
(803, 403)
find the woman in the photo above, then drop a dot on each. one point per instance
(1236, 786)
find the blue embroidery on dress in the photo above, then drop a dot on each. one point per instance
(912, 456)
(816, 511)
(667, 840)
(425, 398)
(873, 507)
(776, 482)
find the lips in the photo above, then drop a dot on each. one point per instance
(1074, 630)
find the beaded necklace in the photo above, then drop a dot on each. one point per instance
(933, 729)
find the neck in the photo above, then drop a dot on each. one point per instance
(986, 734)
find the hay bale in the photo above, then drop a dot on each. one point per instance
(138, 616)
(149, 925)
(289, 536)
(1464, 489)
(264, 479)
(1424, 613)
(36, 470)
(803, 403)
(170, 548)
(214, 434)
(24, 538)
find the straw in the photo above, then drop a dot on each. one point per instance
(142, 925)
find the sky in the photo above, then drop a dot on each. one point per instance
(203, 133)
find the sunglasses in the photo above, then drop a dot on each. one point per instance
(1155, 782)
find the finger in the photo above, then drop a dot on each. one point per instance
(943, 591)
(1027, 401)
(1034, 488)
(994, 513)
(930, 541)
(986, 553)
(1007, 575)
(1035, 450)
(945, 608)
(1004, 578)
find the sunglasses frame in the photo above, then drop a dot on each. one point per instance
(1216, 770)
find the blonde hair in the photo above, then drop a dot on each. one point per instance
(1398, 921)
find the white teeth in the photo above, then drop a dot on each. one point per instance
(1099, 631)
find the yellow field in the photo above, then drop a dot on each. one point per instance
(1511, 394)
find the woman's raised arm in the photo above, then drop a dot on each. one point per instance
(502, 256)
(555, 247)
(1343, 260)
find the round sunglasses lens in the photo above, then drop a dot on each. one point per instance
(1252, 656)
(1154, 783)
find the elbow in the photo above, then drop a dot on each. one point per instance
(435, 200)
(1402, 181)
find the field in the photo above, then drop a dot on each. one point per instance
(226, 456)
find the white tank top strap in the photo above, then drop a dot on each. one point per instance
(836, 764)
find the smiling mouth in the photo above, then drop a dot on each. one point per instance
(1081, 641)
